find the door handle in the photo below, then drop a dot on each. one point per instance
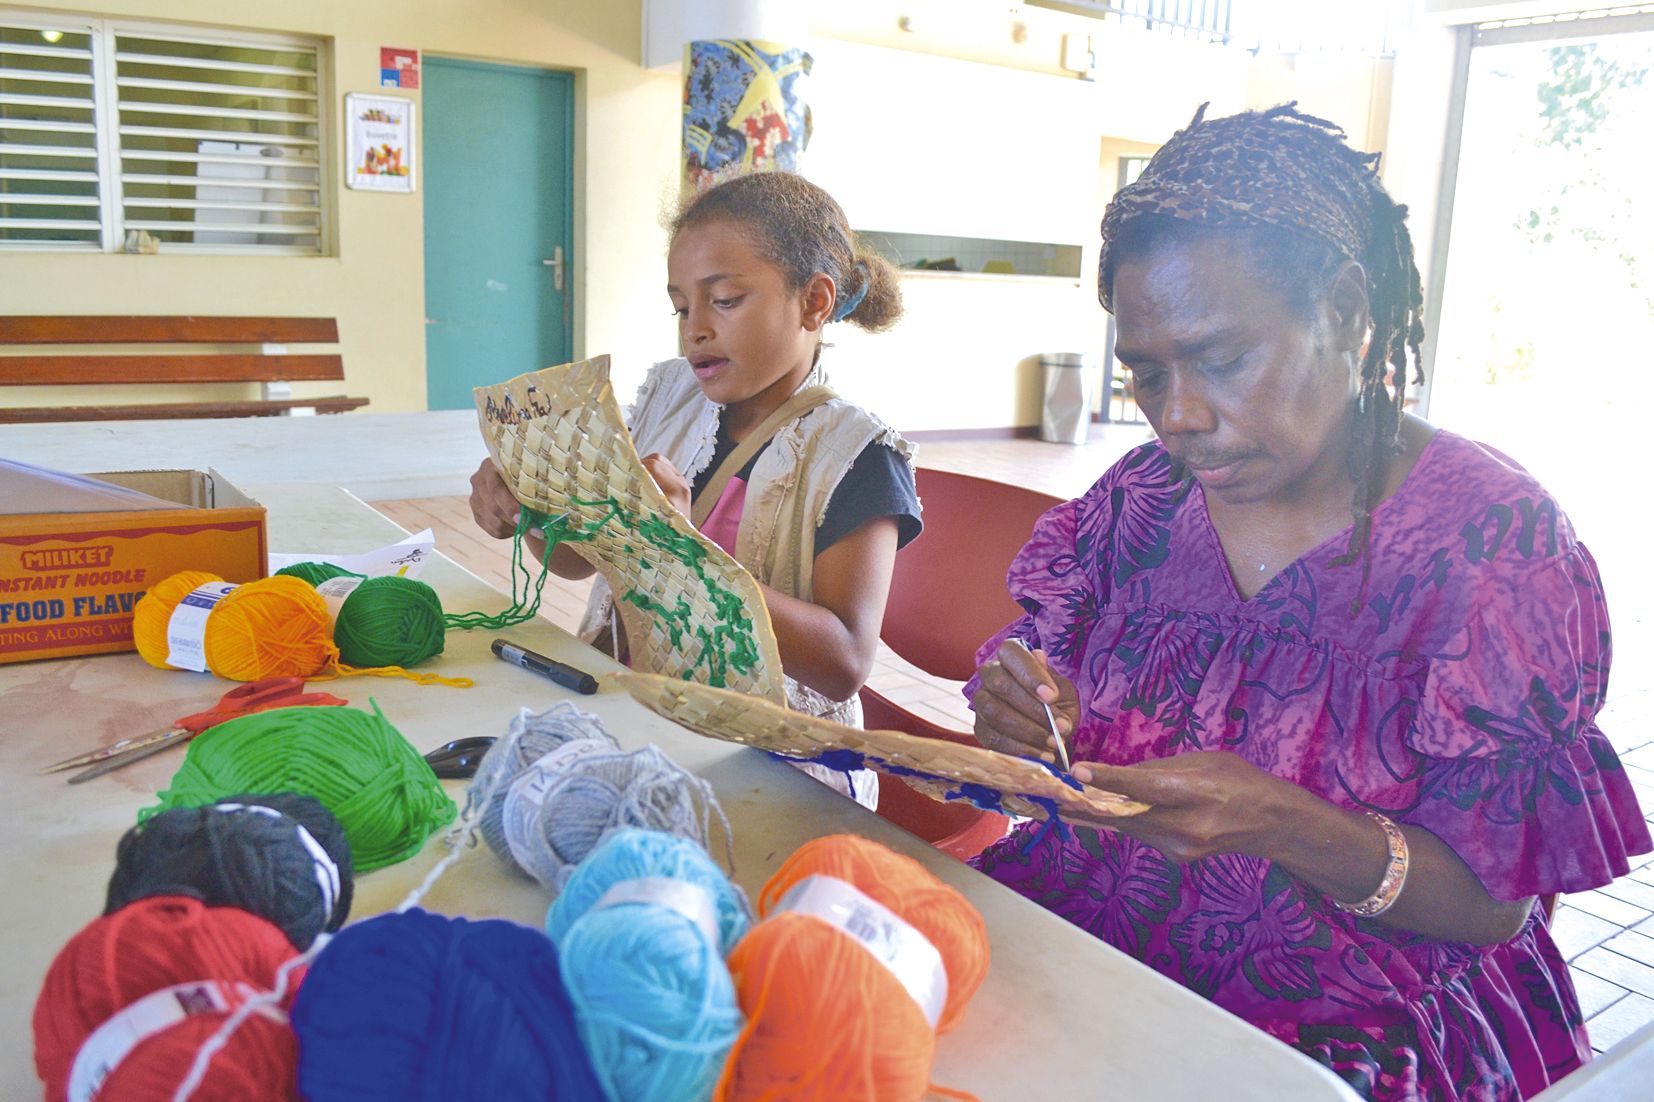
(556, 266)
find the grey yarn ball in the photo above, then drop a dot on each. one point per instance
(545, 817)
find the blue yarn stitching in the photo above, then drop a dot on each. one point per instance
(978, 795)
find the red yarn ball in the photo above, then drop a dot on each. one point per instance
(145, 947)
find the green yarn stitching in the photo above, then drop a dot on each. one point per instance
(527, 588)
(730, 645)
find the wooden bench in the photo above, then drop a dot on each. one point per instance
(269, 364)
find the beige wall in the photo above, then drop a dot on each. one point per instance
(970, 128)
(625, 169)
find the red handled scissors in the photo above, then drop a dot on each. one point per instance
(255, 696)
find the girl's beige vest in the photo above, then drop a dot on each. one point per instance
(787, 495)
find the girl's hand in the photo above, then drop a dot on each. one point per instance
(492, 505)
(1200, 804)
(1009, 713)
(671, 483)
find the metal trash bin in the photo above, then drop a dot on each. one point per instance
(1065, 414)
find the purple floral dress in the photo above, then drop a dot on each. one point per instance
(1460, 699)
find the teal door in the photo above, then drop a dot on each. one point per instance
(498, 178)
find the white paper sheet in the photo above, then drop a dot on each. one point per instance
(406, 558)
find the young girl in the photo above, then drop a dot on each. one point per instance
(759, 266)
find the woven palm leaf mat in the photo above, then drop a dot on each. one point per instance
(941, 770)
(690, 610)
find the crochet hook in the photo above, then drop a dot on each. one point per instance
(1050, 718)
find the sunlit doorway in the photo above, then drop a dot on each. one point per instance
(1545, 342)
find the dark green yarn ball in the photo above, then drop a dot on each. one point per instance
(316, 572)
(389, 621)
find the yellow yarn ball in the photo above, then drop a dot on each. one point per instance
(154, 609)
(274, 627)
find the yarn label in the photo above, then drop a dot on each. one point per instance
(520, 812)
(187, 628)
(692, 901)
(102, 1052)
(911, 957)
(334, 591)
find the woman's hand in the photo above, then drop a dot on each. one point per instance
(1207, 803)
(493, 506)
(1200, 804)
(1014, 686)
(671, 483)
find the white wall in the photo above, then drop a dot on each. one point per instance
(915, 142)
(921, 144)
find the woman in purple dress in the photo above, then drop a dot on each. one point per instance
(1352, 662)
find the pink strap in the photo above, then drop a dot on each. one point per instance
(723, 523)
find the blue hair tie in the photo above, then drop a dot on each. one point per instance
(847, 306)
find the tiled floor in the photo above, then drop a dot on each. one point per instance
(1607, 935)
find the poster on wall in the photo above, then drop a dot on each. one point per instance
(743, 109)
(398, 67)
(379, 152)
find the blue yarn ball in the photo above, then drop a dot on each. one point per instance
(632, 854)
(420, 1006)
(653, 998)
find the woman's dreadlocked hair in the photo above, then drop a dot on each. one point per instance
(1296, 196)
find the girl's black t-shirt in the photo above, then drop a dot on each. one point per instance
(878, 484)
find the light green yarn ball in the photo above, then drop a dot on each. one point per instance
(361, 768)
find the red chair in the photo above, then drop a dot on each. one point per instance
(947, 596)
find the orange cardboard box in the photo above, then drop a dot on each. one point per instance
(69, 581)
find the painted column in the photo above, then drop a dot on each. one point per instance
(744, 82)
(744, 109)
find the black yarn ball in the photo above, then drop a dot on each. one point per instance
(249, 859)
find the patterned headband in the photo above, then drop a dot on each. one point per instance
(1260, 168)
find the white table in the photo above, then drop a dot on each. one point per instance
(1061, 1014)
(377, 456)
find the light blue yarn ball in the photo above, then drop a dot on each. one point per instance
(633, 854)
(653, 999)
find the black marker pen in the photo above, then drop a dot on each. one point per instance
(567, 676)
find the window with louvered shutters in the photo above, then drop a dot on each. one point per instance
(49, 165)
(201, 141)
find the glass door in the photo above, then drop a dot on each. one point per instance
(1545, 343)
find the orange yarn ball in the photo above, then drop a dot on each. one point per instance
(939, 912)
(274, 627)
(828, 1021)
(825, 1021)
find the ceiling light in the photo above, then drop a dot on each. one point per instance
(52, 36)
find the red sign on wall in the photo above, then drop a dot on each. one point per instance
(398, 68)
